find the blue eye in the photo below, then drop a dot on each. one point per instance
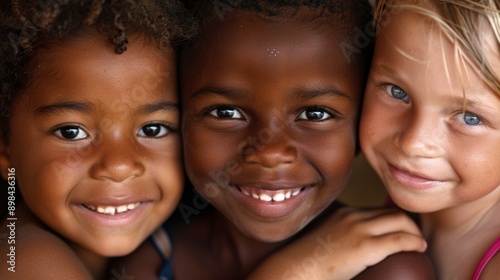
(226, 112)
(314, 114)
(469, 118)
(70, 133)
(399, 93)
(153, 130)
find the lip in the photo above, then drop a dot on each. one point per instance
(118, 220)
(271, 209)
(412, 180)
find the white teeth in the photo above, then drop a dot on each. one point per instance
(279, 197)
(121, 208)
(265, 197)
(133, 205)
(112, 210)
(276, 196)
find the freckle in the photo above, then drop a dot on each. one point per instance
(273, 52)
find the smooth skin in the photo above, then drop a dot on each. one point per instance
(245, 78)
(92, 129)
(270, 107)
(431, 130)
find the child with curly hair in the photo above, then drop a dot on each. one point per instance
(90, 129)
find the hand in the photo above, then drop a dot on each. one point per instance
(344, 244)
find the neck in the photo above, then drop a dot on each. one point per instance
(474, 225)
(96, 264)
(464, 218)
(248, 252)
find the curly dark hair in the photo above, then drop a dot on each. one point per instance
(340, 14)
(28, 25)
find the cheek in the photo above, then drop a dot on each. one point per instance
(206, 152)
(374, 125)
(336, 157)
(477, 166)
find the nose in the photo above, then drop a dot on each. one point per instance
(421, 136)
(269, 149)
(117, 161)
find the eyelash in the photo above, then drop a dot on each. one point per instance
(388, 88)
(323, 110)
(58, 132)
(208, 111)
(470, 114)
(167, 129)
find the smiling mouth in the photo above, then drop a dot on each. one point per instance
(270, 196)
(112, 210)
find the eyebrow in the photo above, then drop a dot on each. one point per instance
(85, 107)
(236, 93)
(307, 94)
(60, 107)
(159, 106)
(384, 69)
(228, 92)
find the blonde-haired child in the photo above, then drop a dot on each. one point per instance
(431, 126)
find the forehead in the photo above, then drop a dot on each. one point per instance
(247, 43)
(413, 50)
(88, 67)
(423, 38)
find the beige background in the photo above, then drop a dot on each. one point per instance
(364, 188)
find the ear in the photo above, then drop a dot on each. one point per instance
(5, 162)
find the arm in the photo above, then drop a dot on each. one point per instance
(402, 265)
(39, 254)
(343, 245)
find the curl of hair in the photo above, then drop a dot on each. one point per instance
(28, 25)
(458, 20)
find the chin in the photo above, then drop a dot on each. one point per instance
(271, 234)
(116, 249)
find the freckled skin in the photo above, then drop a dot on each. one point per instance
(434, 158)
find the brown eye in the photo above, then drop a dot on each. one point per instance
(153, 130)
(71, 133)
(226, 112)
(314, 114)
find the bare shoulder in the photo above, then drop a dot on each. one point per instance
(36, 253)
(492, 269)
(403, 265)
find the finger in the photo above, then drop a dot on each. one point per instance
(400, 241)
(366, 214)
(391, 222)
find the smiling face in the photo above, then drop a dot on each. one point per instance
(429, 152)
(269, 122)
(95, 145)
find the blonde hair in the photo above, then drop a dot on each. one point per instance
(458, 20)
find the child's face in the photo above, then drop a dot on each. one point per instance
(428, 152)
(97, 132)
(269, 129)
